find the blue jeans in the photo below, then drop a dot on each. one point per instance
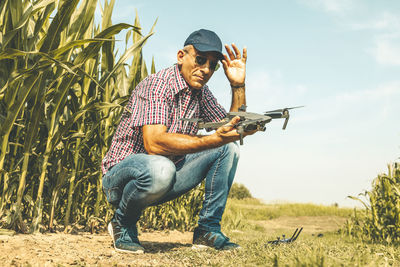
(142, 180)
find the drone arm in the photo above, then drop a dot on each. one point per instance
(285, 123)
(240, 131)
(285, 114)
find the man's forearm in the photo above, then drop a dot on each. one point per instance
(238, 97)
(180, 144)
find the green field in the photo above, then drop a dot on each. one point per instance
(329, 250)
(252, 224)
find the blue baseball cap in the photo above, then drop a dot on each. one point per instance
(205, 41)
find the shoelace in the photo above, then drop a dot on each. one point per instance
(129, 234)
(217, 242)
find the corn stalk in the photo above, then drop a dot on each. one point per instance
(61, 95)
(381, 222)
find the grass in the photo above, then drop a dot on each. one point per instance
(243, 223)
(249, 214)
(256, 210)
(331, 250)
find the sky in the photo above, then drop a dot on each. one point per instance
(338, 58)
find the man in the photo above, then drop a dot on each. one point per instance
(155, 156)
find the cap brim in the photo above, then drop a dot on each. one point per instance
(207, 48)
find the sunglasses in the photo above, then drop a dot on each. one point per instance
(200, 60)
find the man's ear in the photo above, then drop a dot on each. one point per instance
(180, 56)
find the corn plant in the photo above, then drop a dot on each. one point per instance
(381, 221)
(62, 88)
(179, 214)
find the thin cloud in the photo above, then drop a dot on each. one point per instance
(386, 34)
(273, 84)
(127, 13)
(378, 101)
(387, 51)
(336, 7)
(388, 90)
(385, 21)
(384, 26)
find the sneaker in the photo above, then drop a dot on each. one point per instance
(124, 239)
(114, 230)
(205, 239)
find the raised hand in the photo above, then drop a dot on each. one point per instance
(235, 65)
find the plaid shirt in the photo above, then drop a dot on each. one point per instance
(161, 98)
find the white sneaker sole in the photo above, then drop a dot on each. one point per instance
(200, 247)
(129, 251)
(204, 247)
(111, 232)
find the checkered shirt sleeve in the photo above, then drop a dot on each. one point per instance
(210, 109)
(150, 105)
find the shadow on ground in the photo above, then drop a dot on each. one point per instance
(161, 247)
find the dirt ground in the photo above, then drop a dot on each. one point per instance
(85, 249)
(310, 224)
(79, 249)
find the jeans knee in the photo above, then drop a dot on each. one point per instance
(163, 172)
(232, 149)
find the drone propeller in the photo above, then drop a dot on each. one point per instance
(274, 115)
(296, 234)
(281, 110)
(284, 240)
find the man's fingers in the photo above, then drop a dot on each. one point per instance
(232, 56)
(225, 62)
(235, 120)
(237, 51)
(230, 53)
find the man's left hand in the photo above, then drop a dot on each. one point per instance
(235, 65)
